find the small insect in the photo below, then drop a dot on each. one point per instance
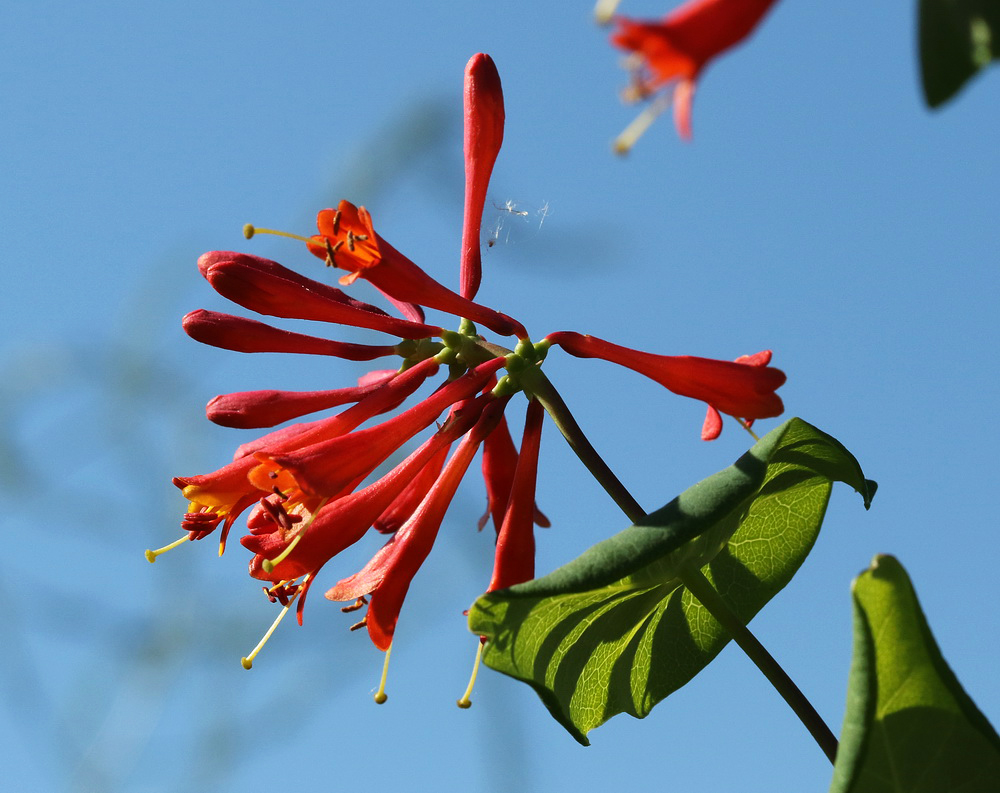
(505, 212)
(511, 207)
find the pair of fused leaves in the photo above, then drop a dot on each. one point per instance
(616, 631)
(957, 39)
(909, 725)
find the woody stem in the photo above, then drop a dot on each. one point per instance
(695, 581)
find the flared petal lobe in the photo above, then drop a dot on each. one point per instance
(484, 120)
(712, 427)
(732, 388)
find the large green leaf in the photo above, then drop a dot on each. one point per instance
(614, 631)
(909, 725)
(957, 39)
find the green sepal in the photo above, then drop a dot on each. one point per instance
(614, 631)
(909, 725)
(958, 38)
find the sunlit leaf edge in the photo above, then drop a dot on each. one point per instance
(863, 688)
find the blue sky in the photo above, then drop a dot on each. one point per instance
(821, 211)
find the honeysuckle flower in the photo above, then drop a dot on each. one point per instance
(515, 552)
(305, 486)
(268, 288)
(677, 49)
(256, 409)
(712, 427)
(734, 388)
(387, 577)
(240, 334)
(397, 513)
(322, 470)
(348, 240)
(483, 136)
(397, 387)
(500, 460)
(225, 493)
(303, 549)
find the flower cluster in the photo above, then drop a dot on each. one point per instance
(308, 487)
(675, 51)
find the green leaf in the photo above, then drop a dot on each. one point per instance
(909, 725)
(957, 39)
(615, 631)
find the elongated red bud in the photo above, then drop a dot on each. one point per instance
(255, 409)
(484, 119)
(515, 553)
(268, 288)
(247, 335)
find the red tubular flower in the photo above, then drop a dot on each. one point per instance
(268, 288)
(678, 47)
(322, 470)
(733, 388)
(712, 427)
(248, 335)
(335, 527)
(257, 409)
(515, 554)
(388, 575)
(398, 386)
(484, 118)
(228, 491)
(499, 464)
(341, 523)
(348, 240)
(406, 502)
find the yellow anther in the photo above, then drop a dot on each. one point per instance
(151, 555)
(380, 695)
(466, 701)
(331, 250)
(247, 661)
